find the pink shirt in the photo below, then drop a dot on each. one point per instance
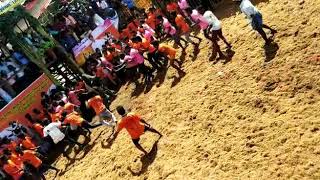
(74, 98)
(130, 62)
(198, 18)
(136, 56)
(148, 35)
(58, 109)
(168, 28)
(183, 4)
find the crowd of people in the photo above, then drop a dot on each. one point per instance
(67, 112)
(16, 73)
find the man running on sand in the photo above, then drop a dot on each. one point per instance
(135, 126)
(255, 19)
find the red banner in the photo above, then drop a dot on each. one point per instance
(25, 102)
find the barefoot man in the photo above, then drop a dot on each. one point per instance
(135, 126)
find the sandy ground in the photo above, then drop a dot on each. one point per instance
(255, 117)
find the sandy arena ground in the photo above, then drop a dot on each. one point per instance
(255, 117)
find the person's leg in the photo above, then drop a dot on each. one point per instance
(220, 35)
(136, 143)
(69, 139)
(151, 129)
(263, 35)
(187, 36)
(45, 167)
(273, 31)
(190, 35)
(177, 40)
(152, 61)
(216, 48)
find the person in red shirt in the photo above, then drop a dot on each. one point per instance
(135, 126)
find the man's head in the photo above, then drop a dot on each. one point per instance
(46, 122)
(121, 110)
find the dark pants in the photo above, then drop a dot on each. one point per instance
(153, 59)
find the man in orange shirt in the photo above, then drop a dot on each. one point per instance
(169, 53)
(31, 157)
(75, 120)
(12, 169)
(184, 28)
(135, 126)
(27, 142)
(107, 118)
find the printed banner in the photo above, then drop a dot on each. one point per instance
(25, 102)
(84, 49)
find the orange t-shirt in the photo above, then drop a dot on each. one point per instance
(109, 56)
(168, 50)
(181, 23)
(171, 7)
(74, 119)
(31, 158)
(136, 45)
(151, 20)
(13, 170)
(132, 124)
(97, 104)
(27, 143)
(16, 159)
(12, 146)
(69, 107)
(55, 117)
(38, 128)
(145, 43)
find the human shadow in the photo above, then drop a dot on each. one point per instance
(108, 142)
(270, 51)
(177, 79)
(85, 149)
(161, 75)
(146, 160)
(228, 55)
(139, 88)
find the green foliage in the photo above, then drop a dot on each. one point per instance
(45, 46)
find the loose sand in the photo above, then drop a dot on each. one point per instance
(246, 119)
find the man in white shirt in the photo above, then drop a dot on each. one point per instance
(255, 19)
(216, 27)
(53, 130)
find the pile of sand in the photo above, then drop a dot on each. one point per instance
(255, 117)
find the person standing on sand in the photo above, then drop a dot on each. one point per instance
(255, 19)
(135, 126)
